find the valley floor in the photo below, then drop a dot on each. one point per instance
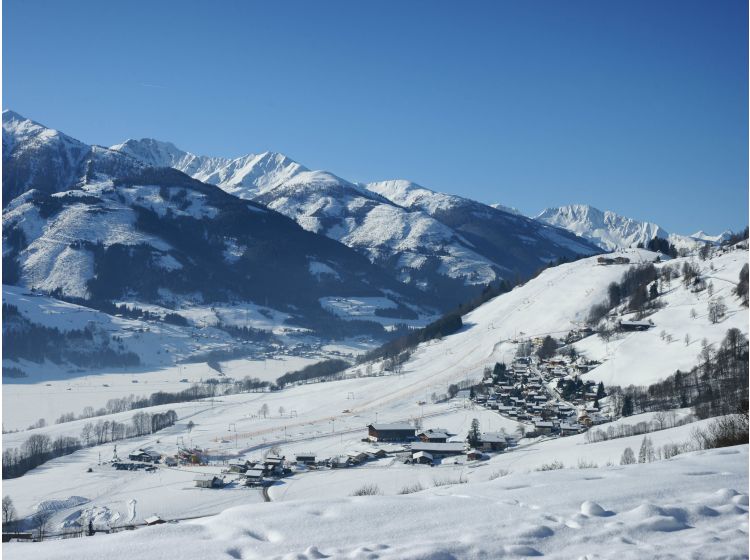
(691, 506)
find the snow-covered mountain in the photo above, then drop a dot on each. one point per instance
(423, 244)
(246, 176)
(608, 230)
(38, 157)
(611, 231)
(715, 239)
(522, 244)
(103, 226)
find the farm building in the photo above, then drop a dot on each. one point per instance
(543, 427)
(422, 457)
(570, 429)
(144, 456)
(305, 458)
(274, 465)
(493, 441)
(390, 432)
(440, 449)
(253, 477)
(154, 520)
(208, 481)
(635, 325)
(436, 435)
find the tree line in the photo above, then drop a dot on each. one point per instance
(717, 385)
(40, 448)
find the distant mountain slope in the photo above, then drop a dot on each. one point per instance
(607, 229)
(124, 230)
(521, 244)
(611, 231)
(49, 161)
(416, 248)
(442, 244)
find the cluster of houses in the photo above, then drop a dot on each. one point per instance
(521, 393)
(432, 445)
(257, 473)
(612, 260)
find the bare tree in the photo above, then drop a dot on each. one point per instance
(9, 511)
(263, 411)
(716, 310)
(87, 432)
(190, 426)
(660, 419)
(282, 410)
(40, 522)
(687, 339)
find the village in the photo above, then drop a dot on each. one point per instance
(545, 397)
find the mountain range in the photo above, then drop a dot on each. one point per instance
(611, 231)
(145, 221)
(432, 240)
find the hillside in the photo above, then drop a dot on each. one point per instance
(105, 228)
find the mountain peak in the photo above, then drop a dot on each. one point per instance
(607, 229)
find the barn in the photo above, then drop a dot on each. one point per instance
(391, 432)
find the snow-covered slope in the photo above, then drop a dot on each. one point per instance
(692, 506)
(611, 231)
(519, 243)
(38, 157)
(440, 243)
(105, 226)
(559, 300)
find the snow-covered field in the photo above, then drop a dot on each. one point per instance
(692, 506)
(24, 404)
(505, 509)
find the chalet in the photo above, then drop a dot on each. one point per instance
(154, 520)
(305, 458)
(208, 481)
(585, 420)
(543, 427)
(436, 435)
(170, 461)
(622, 260)
(635, 325)
(391, 432)
(357, 457)
(273, 465)
(605, 260)
(493, 441)
(570, 429)
(440, 449)
(422, 457)
(144, 456)
(253, 477)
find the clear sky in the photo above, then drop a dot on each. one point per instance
(635, 106)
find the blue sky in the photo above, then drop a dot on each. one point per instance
(637, 107)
